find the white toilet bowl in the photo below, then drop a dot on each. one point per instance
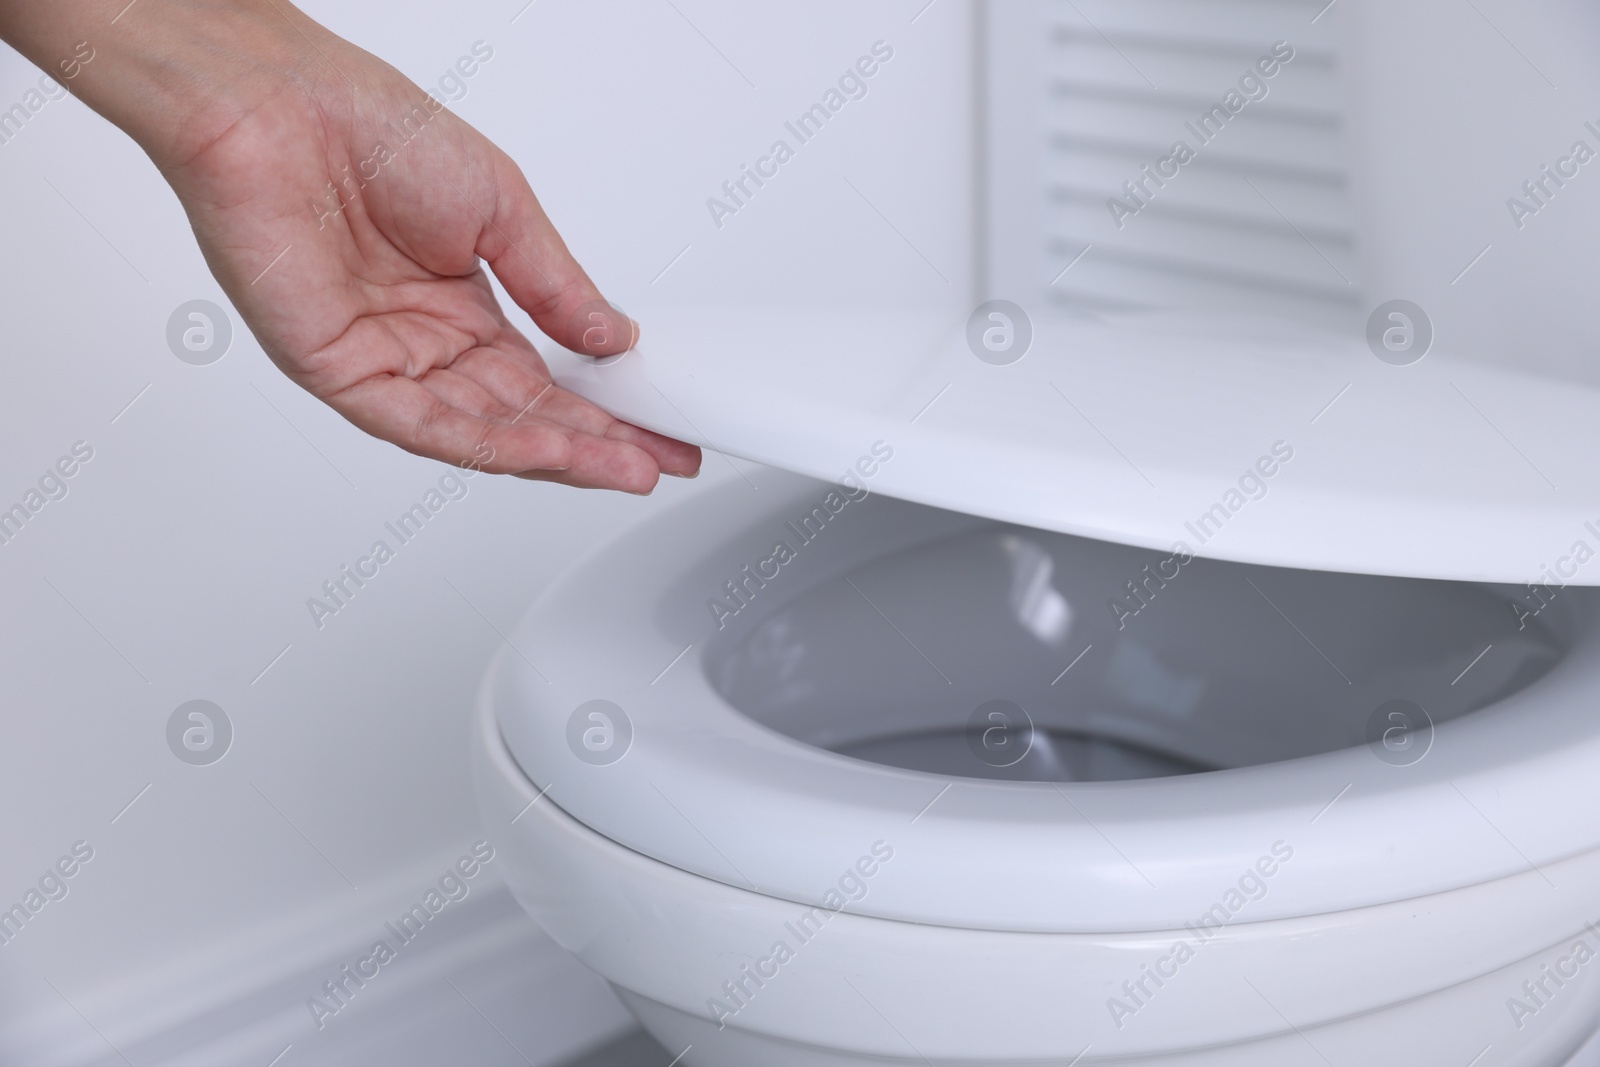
(770, 800)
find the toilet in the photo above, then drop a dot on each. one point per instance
(1180, 650)
(1117, 704)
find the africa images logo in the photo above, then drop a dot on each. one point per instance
(453, 886)
(851, 887)
(852, 85)
(1253, 87)
(753, 578)
(1251, 887)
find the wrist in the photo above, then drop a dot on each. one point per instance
(172, 74)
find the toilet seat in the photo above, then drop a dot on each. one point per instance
(707, 790)
(1132, 429)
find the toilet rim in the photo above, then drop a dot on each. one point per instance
(706, 789)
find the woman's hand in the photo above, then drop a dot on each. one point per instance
(346, 213)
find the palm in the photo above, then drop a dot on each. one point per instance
(379, 305)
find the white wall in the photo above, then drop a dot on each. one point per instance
(178, 565)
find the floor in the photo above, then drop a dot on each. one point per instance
(634, 1050)
(637, 1050)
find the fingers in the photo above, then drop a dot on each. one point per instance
(543, 445)
(533, 263)
(624, 457)
(568, 409)
(671, 456)
(513, 378)
(598, 463)
(402, 411)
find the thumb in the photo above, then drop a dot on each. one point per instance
(533, 263)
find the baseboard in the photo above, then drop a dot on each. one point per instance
(481, 972)
(245, 1002)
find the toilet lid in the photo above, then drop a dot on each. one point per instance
(1240, 440)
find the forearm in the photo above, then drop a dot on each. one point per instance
(169, 72)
